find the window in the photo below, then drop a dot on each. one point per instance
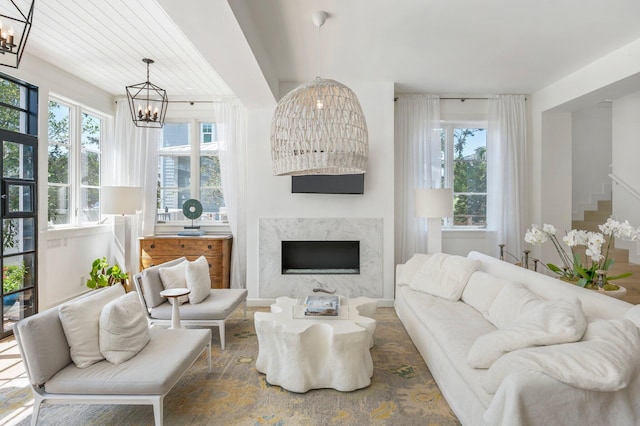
(75, 141)
(182, 146)
(18, 216)
(464, 165)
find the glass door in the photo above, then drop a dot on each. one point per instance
(18, 215)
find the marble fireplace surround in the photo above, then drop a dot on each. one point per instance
(272, 231)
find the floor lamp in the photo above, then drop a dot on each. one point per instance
(123, 201)
(434, 204)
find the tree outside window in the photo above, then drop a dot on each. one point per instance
(73, 164)
(465, 169)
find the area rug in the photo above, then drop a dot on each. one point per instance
(402, 391)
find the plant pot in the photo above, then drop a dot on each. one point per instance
(620, 293)
(10, 299)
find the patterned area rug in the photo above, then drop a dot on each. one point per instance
(402, 391)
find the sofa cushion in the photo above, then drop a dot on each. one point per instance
(198, 279)
(174, 276)
(512, 301)
(218, 306)
(454, 326)
(80, 321)
(154, 370)
(410, 268)
(481, 290)
(123, 328)
(444, 275)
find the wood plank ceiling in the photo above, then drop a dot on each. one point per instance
(103, 42)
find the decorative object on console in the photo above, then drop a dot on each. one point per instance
(192, 209)
(147, 102)
(14, 31)
(590, 272)
(434, 204)
(319, 128)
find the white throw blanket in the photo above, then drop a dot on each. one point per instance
(605, 360)
(544, 323)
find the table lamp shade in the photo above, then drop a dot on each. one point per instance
(121, 199)
(434, 203)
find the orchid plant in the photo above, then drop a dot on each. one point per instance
(574, 268)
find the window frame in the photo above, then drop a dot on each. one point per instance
(76, 150)
(195, 136)
(448, 158)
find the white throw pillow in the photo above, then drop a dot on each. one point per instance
(444, 275)
(198, 280)
(410, 268)
(80, 320)
(174, 277)
(512, 301)
(123, 328)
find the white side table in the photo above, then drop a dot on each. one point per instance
(175, 311)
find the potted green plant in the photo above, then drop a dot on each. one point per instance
(104, 275)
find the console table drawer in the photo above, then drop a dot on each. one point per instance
(155, 250)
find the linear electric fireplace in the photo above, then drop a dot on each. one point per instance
(320, 257)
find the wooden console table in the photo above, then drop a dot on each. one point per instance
(157, 249)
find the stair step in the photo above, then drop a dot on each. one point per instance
(599, 216)
(586, 225)
(605, 205)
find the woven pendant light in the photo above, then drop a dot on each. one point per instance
(319, 128)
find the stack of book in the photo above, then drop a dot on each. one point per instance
(322, 306)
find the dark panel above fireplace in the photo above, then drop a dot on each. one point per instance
(320, 257)
(328, 184)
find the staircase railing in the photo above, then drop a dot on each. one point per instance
(625, 186)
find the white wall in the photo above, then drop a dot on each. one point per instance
(270, 196)
(64, 256)
(610, 77)
(591, 157)
(626, 151)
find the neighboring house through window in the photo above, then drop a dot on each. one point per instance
(75, 141)
(182, 146)
(464, 165)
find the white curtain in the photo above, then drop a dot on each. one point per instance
(232, 152)
(417, 134)
(506, 147)
(132, 160)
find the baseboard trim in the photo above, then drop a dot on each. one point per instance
(262, 303)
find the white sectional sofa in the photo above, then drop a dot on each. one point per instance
(528, 386)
